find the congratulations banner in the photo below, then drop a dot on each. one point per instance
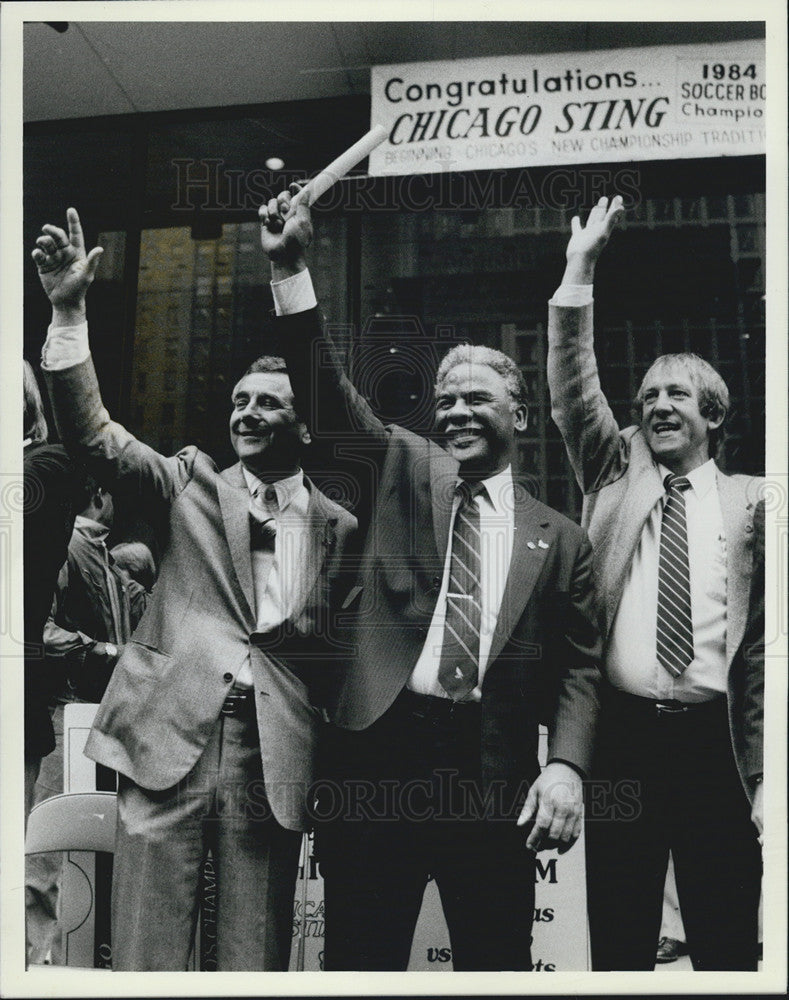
(658, 103)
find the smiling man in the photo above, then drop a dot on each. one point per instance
(678, 548)
(209, 716)
(474, 620)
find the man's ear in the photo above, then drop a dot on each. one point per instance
(304, 434)
(714, 420)
(521, 417)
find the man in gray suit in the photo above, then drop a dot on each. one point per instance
(678, 762)
(209, 715)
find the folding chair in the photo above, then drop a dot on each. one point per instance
(81, 823)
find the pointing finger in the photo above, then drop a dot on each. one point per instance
(75, 229)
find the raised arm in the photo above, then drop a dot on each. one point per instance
(325, 397)
(578, 406)
(117, 459)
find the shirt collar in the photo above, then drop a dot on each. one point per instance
(702, 479)
(94, 530)
(498, 491)
(287, 490)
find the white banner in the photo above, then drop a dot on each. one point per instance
(658, 103)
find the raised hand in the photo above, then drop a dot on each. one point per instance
(64, 268)
(285, 232)
(587, 242)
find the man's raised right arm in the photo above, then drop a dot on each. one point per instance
(117, 459)
(325, 397)
(578, 406)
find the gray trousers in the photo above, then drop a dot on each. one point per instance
(162, 840)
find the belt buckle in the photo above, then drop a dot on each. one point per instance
(233, 703)
(663, 708)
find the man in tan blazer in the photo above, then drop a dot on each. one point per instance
(678, 763)
(209, 715)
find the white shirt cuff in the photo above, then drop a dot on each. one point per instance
(294, 294)
(573, 295)
(65, 347)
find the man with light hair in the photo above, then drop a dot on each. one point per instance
(677, 547)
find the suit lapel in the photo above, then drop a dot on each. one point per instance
(443, 474)
(321, 526)
(644, 492)
(737, 514)
(526, 563)
(233, 495)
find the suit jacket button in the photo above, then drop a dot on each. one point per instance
(436, 582)
(227, 678)
(749, 527)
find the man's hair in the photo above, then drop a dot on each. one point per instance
(267, 363)
(710, 388)
(481, 355)
(35, 423)
(86, 490)
(136, 559)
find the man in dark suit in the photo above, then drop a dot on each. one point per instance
(472, 620)
(50, 489)
(209, 715)
(676, 549)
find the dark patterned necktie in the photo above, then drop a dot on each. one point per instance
(458, 669)
(674, 617)
(262, 526)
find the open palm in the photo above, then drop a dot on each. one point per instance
(590, 239)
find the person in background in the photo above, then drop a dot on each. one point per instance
(49, 492)
(136, 561)
(94, 612)
(210, 716)
(49, 488)
(677, 550)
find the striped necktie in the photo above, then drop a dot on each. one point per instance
(674, 617)
(459, 665)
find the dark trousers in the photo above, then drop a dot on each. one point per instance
(403, 803)
(668, 781)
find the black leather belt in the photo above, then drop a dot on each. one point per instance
(240, 702)
(659, 708)
(429, 707)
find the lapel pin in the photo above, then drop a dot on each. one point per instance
(531, 545)
(542, 544)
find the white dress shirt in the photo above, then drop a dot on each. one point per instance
(631, 659)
